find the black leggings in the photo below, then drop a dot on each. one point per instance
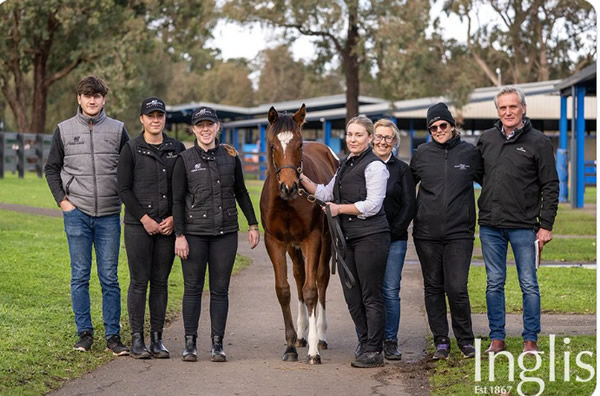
(150, 259)
(445, 266)
(219, 252)
(366, 258)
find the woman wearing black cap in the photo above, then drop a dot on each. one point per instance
(207, 182)
(444, 226)
(144, 176)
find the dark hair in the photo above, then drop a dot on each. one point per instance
(92, 85)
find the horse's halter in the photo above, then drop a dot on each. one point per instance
(297, 168)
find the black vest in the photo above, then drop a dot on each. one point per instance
(350, 186)
(210, 198)
(153, 169)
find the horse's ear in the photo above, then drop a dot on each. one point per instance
(300, 115)
(272, 116)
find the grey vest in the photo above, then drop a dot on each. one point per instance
(91, 153)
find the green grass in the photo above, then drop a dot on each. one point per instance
(31, 190)
(579, 250)
(36, 320)
(563, 290)
(456, 376)
(571, 221)
(589, 195)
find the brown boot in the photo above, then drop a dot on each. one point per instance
(530, 347)
(496, 346)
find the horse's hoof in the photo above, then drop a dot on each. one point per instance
(322, 345)
(313, 359)
(301, 342)
(290, 355)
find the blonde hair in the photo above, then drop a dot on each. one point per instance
(364, 122)
(387, 123)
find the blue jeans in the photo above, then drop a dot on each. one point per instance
(494, 244)
(391, 288)
(105, 234)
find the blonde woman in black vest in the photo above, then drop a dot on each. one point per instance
(207, 182)
(355, 195)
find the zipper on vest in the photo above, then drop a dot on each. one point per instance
(91, 127)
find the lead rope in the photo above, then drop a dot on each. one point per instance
(338, 242)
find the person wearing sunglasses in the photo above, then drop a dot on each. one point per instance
(400, 207)
(444, 227)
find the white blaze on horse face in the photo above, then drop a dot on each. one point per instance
(284, 138)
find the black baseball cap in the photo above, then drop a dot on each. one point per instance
(152, 104)
(204, 113)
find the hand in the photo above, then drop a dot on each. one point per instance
(150, 225)
(544, 236)
(182, 249)
(333, 208)
(253, 238)
(308, 184)
(166, 226)
(66, 205)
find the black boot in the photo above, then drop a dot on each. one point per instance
(157, 349)
(138, 348)
(390, 350)
(216, 352)
(190, 354)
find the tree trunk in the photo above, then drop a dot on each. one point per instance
(40, 93)
(351, 68)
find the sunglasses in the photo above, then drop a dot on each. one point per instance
(441, 127)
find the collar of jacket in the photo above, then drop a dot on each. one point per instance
(166, 142)
(449, 144)
(356, 158)
(207, 155)
(518, 132)
(90, 120)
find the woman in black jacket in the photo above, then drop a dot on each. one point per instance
(144, 176)
(400, 207)
(207, 182)
(444, 227)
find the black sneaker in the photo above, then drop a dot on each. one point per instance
(358, 350)
(468, 351)
(442, 352)
(116, 346)
(390, 350)
(368, 360)
(85, 342)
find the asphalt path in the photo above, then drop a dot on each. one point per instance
(254, 343)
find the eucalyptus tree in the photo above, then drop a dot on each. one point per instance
(42, 42)
(343, 31)
(529, 40)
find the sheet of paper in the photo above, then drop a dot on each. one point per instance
(538, 253)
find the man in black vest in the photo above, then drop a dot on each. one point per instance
(82, 174)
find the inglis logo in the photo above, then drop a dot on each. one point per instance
(521, 149)
(198, 167)
(462, 166)
(153, 103)
(76, 140)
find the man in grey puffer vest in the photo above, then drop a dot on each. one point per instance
(82, 174)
